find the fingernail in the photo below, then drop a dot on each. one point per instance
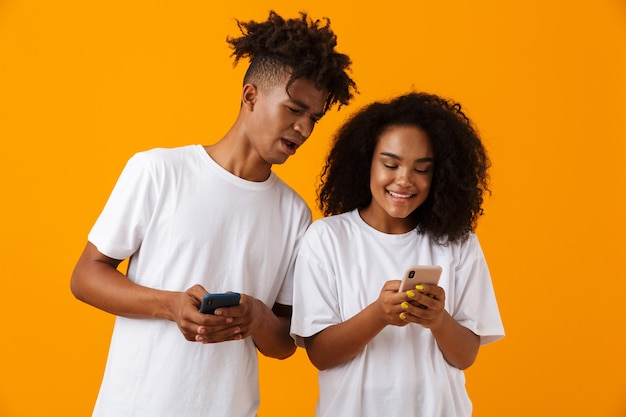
(404, 305)
(410, 293)
(419, 287)
(403, 316)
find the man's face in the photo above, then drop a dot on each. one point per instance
(282, 121)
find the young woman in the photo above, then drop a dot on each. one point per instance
(403, 185)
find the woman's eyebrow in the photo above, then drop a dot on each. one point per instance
(396, 157)
(391, 155)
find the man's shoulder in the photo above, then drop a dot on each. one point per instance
(163, 158)
(161, 153)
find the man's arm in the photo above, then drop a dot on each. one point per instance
(269, 328)
(272, 336)
(96, 281)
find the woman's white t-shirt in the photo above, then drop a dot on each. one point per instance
(341, 268)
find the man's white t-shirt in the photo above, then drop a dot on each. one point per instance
(184, 220)
(341, 268)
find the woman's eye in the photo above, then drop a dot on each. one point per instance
(390, 166)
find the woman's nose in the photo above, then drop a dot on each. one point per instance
(404, 177)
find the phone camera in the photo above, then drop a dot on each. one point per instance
(411, 274)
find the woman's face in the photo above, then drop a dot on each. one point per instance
(400, 178)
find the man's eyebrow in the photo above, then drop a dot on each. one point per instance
(394, 156)
(305, 106)
(299, 103)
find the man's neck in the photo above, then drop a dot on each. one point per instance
(236, 159)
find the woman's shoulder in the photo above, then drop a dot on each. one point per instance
(337, 221)
(331, 226)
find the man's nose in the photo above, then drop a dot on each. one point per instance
(304, 126)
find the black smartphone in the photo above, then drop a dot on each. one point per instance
(216, 300)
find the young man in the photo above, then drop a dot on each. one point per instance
(200, 219)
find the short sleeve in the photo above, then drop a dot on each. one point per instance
(285, 294)
(121, 226)
(315, 300)
(475, 304)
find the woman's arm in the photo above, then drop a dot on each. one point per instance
(341, 342)
(458, 344)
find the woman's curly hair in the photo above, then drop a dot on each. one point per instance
(460, 176)
(302, 47)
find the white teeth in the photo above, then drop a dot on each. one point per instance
(399, 195)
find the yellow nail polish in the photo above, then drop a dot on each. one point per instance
(419, 287)
(404, 305)
(403, 316)
(410, 293)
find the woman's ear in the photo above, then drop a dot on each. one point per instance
(249, 96)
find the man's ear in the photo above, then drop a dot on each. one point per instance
(249, 95)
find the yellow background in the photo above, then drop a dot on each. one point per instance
(85, 84)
